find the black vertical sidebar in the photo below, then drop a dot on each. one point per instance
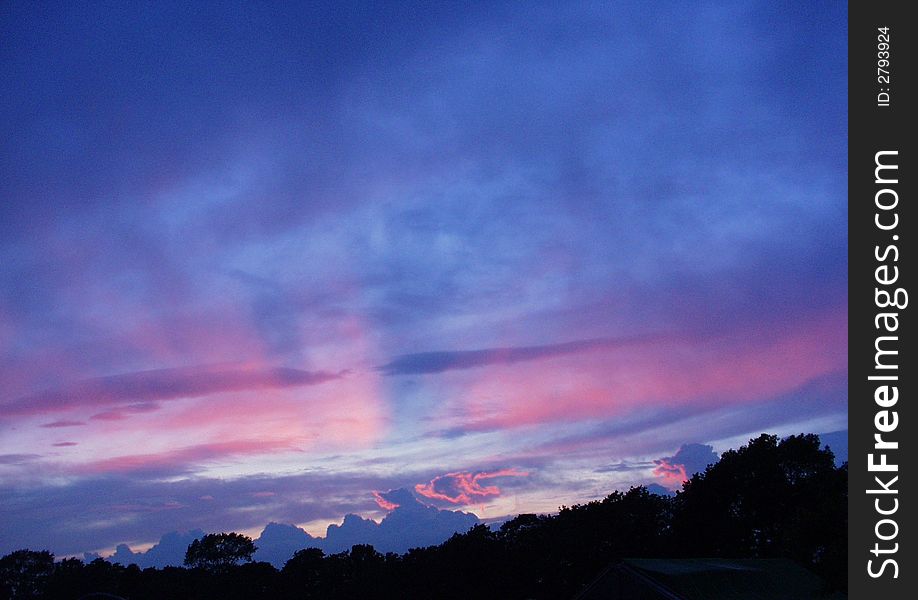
(883, 372)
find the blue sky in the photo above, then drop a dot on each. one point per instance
(258, 261)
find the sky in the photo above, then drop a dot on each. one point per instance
(263, 262)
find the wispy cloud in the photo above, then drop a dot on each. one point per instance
(144, 387)
(17, 459)
(625, 467)
(182, 460)
(63, 423)
(437, 362)
(123, 412)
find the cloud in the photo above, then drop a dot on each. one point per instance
(673, 475)
(64, 444)
(80, 515)
(278, 542)
(688, 460)
(110, 415)
(142, 388)
(169, 551)
(123, 412)
(17, 459)
(837, 441)
(438, 362)
(656, 488)
(813, 398)
(384, 503)
(63, 423)
(457, 187)
(624, 467)
(736, 368)
(464, 487)
(411, 524)
(183, 459)
(393, 499)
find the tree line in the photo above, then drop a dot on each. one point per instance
(770, 498)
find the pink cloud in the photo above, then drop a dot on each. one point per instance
(63, 423)
(464, 487)
(672, 475)
(348, 413)
(64, 444)
(604, 382)
(123, 412)
(688, 460)
(144, 387)
(186, 457)
(383, 503)
(109, 415)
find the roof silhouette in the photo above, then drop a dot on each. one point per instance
(707, 579)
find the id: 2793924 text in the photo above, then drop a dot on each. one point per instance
(883, 68)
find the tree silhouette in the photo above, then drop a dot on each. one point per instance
(219, 551)
(25, 573)
(305, 572)
(769, 498)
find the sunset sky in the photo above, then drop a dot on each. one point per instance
(262, 263)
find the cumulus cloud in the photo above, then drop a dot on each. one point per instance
(278, 542)
(385, 500)
(688, 460)
(409, 524)
(392, 499)
(80, 515)
(169, 551)
(656, 488)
